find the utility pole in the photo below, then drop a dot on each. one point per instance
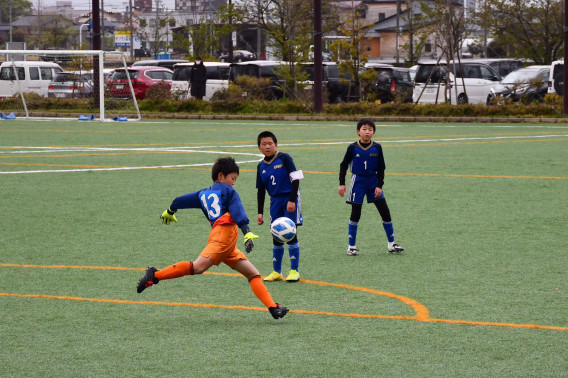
(318, 65)
(39, 45)
(95, 15)
(131, 31)
(157, 33)
(564, 94)
(397, 31)
(232, 32)
(102, 25)
(10, 20)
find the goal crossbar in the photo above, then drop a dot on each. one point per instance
(9, 57)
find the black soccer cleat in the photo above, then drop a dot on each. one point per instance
(279, 311)
(147, 279)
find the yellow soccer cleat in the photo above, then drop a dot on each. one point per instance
(294, 276)
(274, 276)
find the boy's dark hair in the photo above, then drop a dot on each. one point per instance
(266, 134)
(366, 121)
(225, 165)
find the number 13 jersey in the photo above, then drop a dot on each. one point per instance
(215, 201)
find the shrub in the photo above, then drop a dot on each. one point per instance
(159, 91)
(554, 100)
(229, 106)
(255, 89)
(233, 92)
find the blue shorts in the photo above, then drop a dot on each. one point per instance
(361, 186)
(278, 209)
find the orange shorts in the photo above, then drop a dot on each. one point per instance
(222, 245)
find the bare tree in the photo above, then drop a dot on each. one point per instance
(155, 29)
(288, 24)
(354, 29)
(447, 26)
(416, 43)
(528, 29)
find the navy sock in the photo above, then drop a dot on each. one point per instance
(353, 233)
(389, 229)
(294, 251)
(277, 253)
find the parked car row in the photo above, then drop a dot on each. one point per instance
(528, 84)
(390, 82)
(470, 81)
(556, 78)
(238, 56)
(33, 76)
(142, 78)
(477, 82)
(217, 78)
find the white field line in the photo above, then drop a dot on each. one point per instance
(122, 168)
(29, 149)
(198, 149)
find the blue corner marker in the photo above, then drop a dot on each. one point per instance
(9, 116)
(86, 118)
(120, 119)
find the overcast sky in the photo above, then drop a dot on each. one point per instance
(108, 4)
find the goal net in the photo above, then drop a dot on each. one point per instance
(65, 84)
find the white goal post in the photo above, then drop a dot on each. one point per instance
(64, 84)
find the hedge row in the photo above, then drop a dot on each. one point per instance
(551, 108)
(286, 107)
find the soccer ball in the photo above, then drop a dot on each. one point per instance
(283, 229)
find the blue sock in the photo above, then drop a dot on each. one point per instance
(294, 251)
(389, 229)
(353, 233)
(277, 253)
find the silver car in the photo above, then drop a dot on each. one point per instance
(71, 85)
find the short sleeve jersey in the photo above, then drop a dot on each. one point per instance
(215, 201)
(367, 161)
(364, 161)
(274, 176)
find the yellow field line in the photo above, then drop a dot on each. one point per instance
(478, 176)
(422, 313)
(99, 154)
(310, 172)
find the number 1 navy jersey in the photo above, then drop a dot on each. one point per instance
(215, 201)
(363, 161)
(274, 176)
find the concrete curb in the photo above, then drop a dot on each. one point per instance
(245, 117)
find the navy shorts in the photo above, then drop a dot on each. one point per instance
(278, 209)
(361, 186)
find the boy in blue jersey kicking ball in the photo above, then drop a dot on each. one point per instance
(277, 175)
(222, 206)
(365, 158)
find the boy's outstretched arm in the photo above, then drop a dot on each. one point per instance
(186, 201)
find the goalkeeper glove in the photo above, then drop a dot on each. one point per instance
(168, 216)
(249, 237)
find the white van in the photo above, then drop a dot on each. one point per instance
(430, 85)
(32, 76)
(217, 79)
(556, 79)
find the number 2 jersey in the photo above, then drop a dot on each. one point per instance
(276, 175)
(215, 201)
(363, 160)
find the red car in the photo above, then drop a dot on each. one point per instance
(142, 78)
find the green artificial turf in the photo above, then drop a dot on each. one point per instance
(479, 291)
